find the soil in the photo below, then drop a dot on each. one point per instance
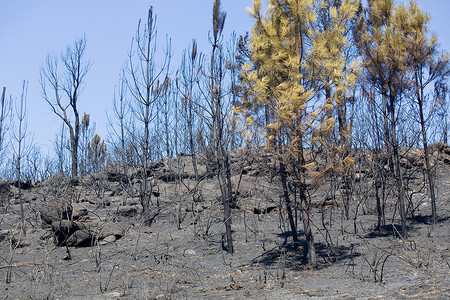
(181, 255)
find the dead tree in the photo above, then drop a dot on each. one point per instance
(61, 90)
(5, 109)
(19, 136)
(60, 150)
(427, 68)
(118, 124)
(143, 84)
(217, 121)
(185, 84)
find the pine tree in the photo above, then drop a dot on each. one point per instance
(337, 64)
(290, 58)
(217, 122)
(426, 66)
(382, 44)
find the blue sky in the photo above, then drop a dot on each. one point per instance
(29, 30)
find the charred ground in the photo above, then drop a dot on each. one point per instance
(85, 238)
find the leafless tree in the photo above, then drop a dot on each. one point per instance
(144, 84)
(441, 92)
(427, 68)
(217, 120)
(118, 140)
(187, 78)
(166, 112)
(61, 90)
(60, 148)
(5, 109)
(19, 137)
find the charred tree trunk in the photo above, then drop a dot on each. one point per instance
(305, 205)
(428, 171)
(397, 167)
(287, 201)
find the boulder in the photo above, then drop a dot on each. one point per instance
(412, 158)
(24, 185)
(100, 202)
(116, 176)
(4, 191)
(71, 226)
(3, 235)
(55, 209)
(108, 240)
(62, 230)
(446, 150)
(437, 147)
(78, 211)
(108, 229)
(129, 210)
(168, 175)
(80, 238)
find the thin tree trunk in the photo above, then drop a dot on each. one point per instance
(74, 152)
(2, 116)
(310, 250)
(288, 203)
(427, 155)
(221, 156)
(305, 203)
(397, 169)
(226, 200)
(191, 139)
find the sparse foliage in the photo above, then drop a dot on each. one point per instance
(146, 84)
(62, 89)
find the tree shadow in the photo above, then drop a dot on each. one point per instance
(386, 231)
(427, 219)
(395, 230)
(295, 258)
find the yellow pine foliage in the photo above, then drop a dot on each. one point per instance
(292, 60)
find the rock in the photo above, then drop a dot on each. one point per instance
(100, 202)
(3, 235)
(64, 225)
(133, 201)
(113, 176)
(190, 252)
(412, 158)
(55, 209)
(4, 191)
(20, 243)
(108, 229)
(446, 150)
(129, 210)
(268, 210)
(78, 211)
(85, 233)
(24, 185)
(80, 238)
(168, 175)
(108, 240)
(439, 147)
(62, 230)
(90, 225)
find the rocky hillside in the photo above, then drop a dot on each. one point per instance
(86, 239)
